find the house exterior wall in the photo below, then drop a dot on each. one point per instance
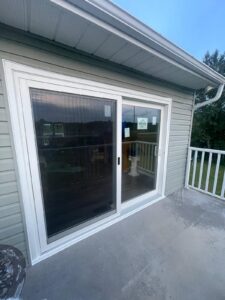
(11, 221)
(42, 54)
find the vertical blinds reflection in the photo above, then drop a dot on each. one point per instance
(76, 145)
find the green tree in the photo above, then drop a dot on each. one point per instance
(208, 129)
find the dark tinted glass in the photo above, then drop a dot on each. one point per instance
(76, 148)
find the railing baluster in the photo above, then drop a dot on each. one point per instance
(146, 157)
(143, 155)
(152, 158)
(194, 168)
(136, 149)
(208, 172)
(144, 148)
(150, 154)
(216, 173)
(140, 154)
(201, 170)
(223, 186)
(188, 168)
(149, 157)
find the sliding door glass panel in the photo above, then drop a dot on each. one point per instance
(140, 140)
(76, 144)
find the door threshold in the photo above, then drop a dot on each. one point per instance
(134, 205)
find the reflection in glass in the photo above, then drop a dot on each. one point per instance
(140, 139)
(76, 147)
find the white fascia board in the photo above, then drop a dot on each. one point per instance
(140, 29)
(76, 10)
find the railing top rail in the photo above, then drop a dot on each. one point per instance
(207, 150)
(139, 142)
(142, 142)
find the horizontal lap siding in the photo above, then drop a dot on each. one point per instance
(11, 223)
(179, 138)
(62, 61)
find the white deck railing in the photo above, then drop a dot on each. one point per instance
(206, 171)
(146, 152)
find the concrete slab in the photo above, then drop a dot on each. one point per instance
(173, 249)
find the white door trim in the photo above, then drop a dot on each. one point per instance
(19, 78)
(159, 183)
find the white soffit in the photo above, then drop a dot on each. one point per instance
(102, 29)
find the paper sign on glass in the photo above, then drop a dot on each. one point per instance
(154, 119)
(127, 132)
(142, 123)
(107, 111)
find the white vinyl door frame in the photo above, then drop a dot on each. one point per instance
(159, 183)
(19, 78)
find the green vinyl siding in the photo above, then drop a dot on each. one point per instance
(42, 54)
(11, 223)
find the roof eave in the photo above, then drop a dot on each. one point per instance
(140, 29)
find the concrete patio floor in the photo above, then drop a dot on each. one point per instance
(174, 249)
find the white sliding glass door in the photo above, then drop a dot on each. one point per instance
(140, 144)
(88, 154)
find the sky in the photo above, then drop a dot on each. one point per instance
(196, 26)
